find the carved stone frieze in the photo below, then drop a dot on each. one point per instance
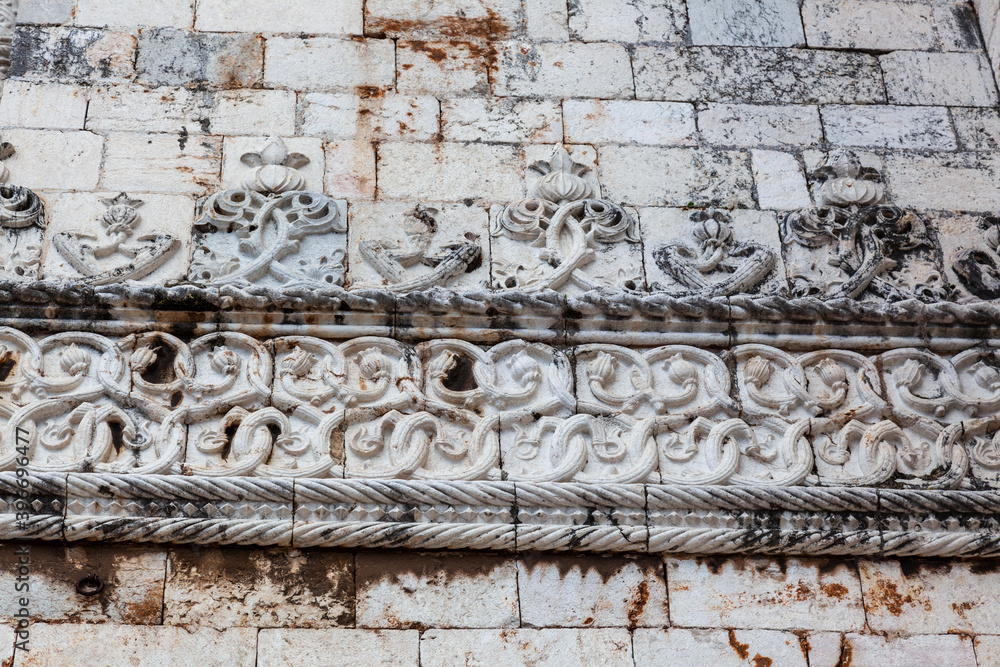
(8, 16)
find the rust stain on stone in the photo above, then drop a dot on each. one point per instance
(886, 594)
(838, 591)
(742, 650)
(148, 611)
(489, 27)
(761, 661)
(435, 52)
(637, 604)
(846, 653)
(804, 645)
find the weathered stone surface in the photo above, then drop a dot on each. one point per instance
(57, 160)
(324, 63)
(509, 648)
(439, 68)
(225, 588)
(316, 17)
(954, 79)
(547, 20)
(889, 127)
(45, 11)
(764, 23)
(987, 649)
(129, 645)
(563, 70)
(629, 122)
(957, 27)
(42, 105)
(256, 112)
(954, 650)
(881, 25)
(175, 58)
(914, 597)
(503, 120)
(350, 169)
(448, 172)
(591, 592)
(717, 647)
(689, 182)
(962, 182)
(747, 125)
(161, 163)
(73, 54)
(411, 591)
(133, 584)
(764, 593)
(781, 183)
(783, 76)
(234, 169)
(487, 19)
(153, 13)
(825, 649)
(350, 648)
(978, 129)
(627, 21)
(346, 116)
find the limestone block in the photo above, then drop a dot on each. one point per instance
(591, 592)
(448, 172)
(161, 163)
(234, 169)
(77, 220)
(380, 117)
(254, 112)
(629, 122)
(782, 76)
(42, 105)
(178, 58)
(324, 63)
(228, 112)
(913, 598)
(452, 19)
(381, 228)
(282, 647)
(502, 120)
(952, 650)
(453, 591)
(231, 587)
(978, 129)
(547, 20)
(441, 67)
(55, 160)
(957, 27)
(315, 17)
(747, 125)
(719, 178)
(350, 169)
(781, 183)
(511, 648)
(625, 21)
(152, 646)
(963, 182)
(563, 70)
(988, 649)
(152, 13)
(889, 127)
(133, 584)
(882, 25)
(754, 243)
(73, 54)
(45, 12)
(734, 23)
(720, 648)
(764, 593)
(825, 649)
(954, 79)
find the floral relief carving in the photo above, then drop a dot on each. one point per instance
(271, 232)
(855, 245)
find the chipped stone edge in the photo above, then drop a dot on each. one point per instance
(505, 516)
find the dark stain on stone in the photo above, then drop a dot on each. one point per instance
(637, 604)
(742, 650)
(984, 566)
(838, 591)
(912, 567)
(804, 645)
(761, 661)
(846, 653)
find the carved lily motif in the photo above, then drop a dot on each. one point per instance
(298, 363)
(561, 180)
(847, 183)
(757, 371)
(601, 369)
(143, 357)
(986, 377)
(524, 369)
(909, 374)
(225, 361)
(832, 374)
(74, 361)
(374, 365)
(274, 169)
(680, 371)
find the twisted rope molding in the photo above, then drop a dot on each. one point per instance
(129, 308)
(501, 515)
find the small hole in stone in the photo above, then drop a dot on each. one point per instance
(459, 377)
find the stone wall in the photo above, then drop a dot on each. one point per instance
(297, 607)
